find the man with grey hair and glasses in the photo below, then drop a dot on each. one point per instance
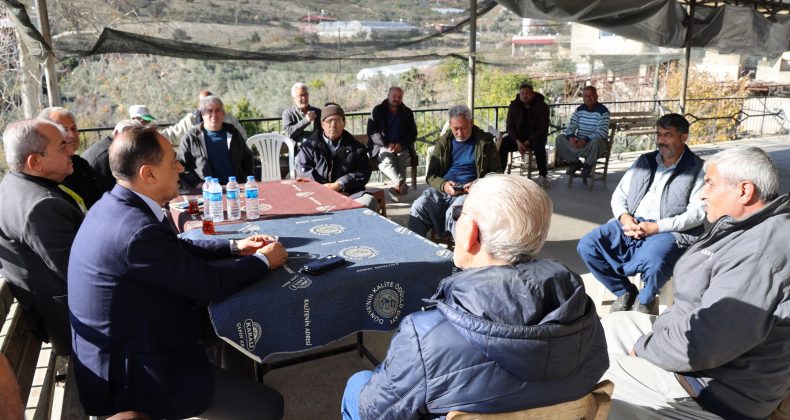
(461, 156)
(301, 120)
(214, 148)
(509, 332)
(38, 223)
(722, 348)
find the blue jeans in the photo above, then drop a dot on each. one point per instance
(433, 209)
(350, 404)
(612, 257)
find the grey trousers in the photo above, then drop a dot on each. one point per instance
(394, 165)
(590, 152)
(433, 209)
(642, 390)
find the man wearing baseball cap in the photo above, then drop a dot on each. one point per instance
(334, 158)
(140, 113)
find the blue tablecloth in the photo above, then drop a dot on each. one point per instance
(390, 271)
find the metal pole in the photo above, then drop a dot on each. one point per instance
(689, 34)
(53, 95)
(472, 51)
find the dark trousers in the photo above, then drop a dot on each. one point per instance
(612, 257)
(538, 149)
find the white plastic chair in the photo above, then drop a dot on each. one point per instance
(269, 146)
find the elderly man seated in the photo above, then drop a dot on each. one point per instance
(585, 135)
(464, 154)
(722, 348)
(178, 130)
(335, 159)
(302, 119)
(214, 148)
(509, 332)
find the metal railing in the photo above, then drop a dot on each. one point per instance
(715, 119)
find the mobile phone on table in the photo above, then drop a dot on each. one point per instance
(458, 187)
(322, 265)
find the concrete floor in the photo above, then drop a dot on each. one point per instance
(313, 390)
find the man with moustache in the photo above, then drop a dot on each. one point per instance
(657, 214)
(721, 350)
(214, 148)
(38, 222)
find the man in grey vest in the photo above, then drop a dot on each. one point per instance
(657, 214)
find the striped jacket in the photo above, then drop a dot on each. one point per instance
(589, 125)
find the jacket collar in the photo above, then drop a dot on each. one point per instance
(125, 194)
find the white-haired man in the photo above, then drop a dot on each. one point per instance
(214, 148)
(81, 184)
(175, 132)
(301, 120)
(508, 333)
(38, 223)
(99, 158)
(462, 155)
(722, 348)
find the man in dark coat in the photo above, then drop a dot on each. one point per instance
(527, 129)
(391, 135)
(510, 332)
(334, 158)
(81, 184)
(98, 155)
(38, 222)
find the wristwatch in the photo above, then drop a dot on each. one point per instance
(234, 248)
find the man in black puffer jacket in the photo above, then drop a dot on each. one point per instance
(509, 332)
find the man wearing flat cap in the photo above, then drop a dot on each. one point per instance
(335, 159)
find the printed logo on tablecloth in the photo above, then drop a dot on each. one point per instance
(288, 181)
(304, 194)
(262, 207)
(328, 229)
(401, 230)
(444, 253)
(385, 303)
(368, 212)
(358, 253)
(249, 333)
(300, 283)
(250, 228)
(324, 209)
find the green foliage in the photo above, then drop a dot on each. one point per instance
(498, 88)
(704, 88)
(454, 69)
(563, 65)
(242, 109)
(417, 82)
(255, 37)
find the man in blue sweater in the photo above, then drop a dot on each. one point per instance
(586, 134)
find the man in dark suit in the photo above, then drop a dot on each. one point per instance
(38, 222)
(136, 294)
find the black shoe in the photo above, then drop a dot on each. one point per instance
(650, 309)
(623, 303)
(586, 171)
(572, 168)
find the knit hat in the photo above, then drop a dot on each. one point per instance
(332, 109)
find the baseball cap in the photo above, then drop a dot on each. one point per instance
(141, 112)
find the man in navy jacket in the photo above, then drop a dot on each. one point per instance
(509, 332)
(135, 290)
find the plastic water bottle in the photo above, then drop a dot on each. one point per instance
(215, 200)
(206, 207)
(232, 198)
(251, 193)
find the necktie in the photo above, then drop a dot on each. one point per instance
(75, 196)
